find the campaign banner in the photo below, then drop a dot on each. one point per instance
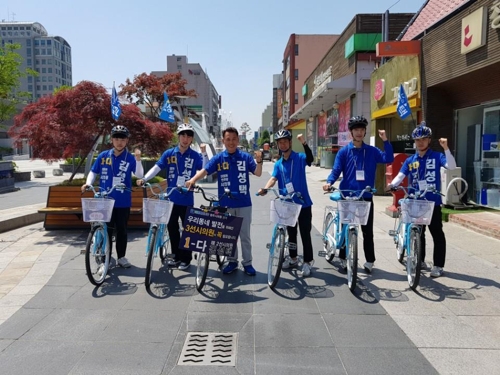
(210, 232)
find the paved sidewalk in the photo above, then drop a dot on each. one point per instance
(48, 306)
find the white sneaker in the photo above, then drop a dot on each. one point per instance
(123, 262)
(306, 269)
(290, 263)
(368, 267)
(437, 271)
(343, 264)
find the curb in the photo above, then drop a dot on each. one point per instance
(21, 221)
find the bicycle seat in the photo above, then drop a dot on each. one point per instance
(335, 196)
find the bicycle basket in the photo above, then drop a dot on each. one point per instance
(97, 209)
(416, 212)
(285, 213)
(156, 211)
(354, 212)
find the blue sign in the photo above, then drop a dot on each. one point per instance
(116, 109)
(210, 232)
(167, 114)
(403, 107)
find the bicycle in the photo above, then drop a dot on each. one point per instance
(203, 258)
(157, 211)
(413, 214)
(340, 228)
(98, 211)
(284, 214)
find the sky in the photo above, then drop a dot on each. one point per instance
(239, 44)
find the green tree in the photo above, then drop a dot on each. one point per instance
(264, 138)
(10, 80)
(244, 143)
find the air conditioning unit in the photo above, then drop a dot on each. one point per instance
(447, 175)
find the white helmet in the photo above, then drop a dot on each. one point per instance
(188, 128)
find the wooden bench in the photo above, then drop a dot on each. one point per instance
(64, 208)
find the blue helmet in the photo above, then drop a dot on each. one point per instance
(280, 134)
(421, 131)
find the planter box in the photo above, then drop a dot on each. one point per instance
(7, 185)
(68, 168)
(22, 176)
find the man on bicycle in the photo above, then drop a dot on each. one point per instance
(290, 173)
(233, 168)
(114, 167)
(181, 163)
(357, 162)
(424, 170)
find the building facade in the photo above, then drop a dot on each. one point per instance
(49, 56)
(208, 101)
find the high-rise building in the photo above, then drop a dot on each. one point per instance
(49, 56)
(208, 100)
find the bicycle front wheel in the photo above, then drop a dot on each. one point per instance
(151, 257)
(399, 240)
(203, 260)
(97, 255)
(414, 259)
(352, 259)
(165, 242)
(329, 236)
(276, 255)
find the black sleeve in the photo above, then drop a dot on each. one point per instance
(309, 155)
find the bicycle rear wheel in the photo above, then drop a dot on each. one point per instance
(221, 259)
(276, 255)
(414, 259)
(329, 236)
(203, 260)
(97, 255)
(165, 242)
(352, 259)
(151, 258)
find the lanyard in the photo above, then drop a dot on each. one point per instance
(283, 171)
(111, 154)
(355, 159)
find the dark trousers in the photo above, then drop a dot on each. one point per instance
(178, 211)
(305, 226)
(436, 229)
(118, 223)
(368, 245)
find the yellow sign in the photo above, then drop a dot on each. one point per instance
(474, 31)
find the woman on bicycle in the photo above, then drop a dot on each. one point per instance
(290, 173)
(424, 170)
(357, 162)
(181, 163)
(114, 167)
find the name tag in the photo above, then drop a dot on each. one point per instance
(117, 181)
(360, 175)
(289, 188)
(422, 185)
(181, 181)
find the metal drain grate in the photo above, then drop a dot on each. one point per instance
(209, 349)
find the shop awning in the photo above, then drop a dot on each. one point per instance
(338, 90)
(392, 110)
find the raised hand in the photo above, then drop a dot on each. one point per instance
(382, 135)
(444, 143)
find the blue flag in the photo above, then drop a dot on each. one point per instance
(403, 107)
(116, 109)
(167, 114)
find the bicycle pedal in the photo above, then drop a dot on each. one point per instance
(322, 253)
(392, 233)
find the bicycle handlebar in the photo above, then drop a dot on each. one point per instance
(416, 194)
(367, 189)
(99, 192)
(281, 196)
(162, 195)
(213, 199)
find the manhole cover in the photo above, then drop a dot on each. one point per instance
(209, 348)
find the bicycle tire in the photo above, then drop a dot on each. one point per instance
(329, 229)
(165, 242)
(352, 259)
(221, 259)
(203, 260)
(276, 257)
(400, 240)
(151, 258)
(414, 259)
(97, 236)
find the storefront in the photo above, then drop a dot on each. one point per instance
(385, 85)
(461, 69)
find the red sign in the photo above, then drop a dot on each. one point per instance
(379, 90)
(398, 48)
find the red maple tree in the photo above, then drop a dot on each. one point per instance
(147, 89)
(72, 120)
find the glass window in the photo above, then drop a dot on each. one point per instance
(51, 87)
(296, 74)
(29, 62)
(49, 42)
(50, 78)
(44, 70)
(296, 98)
(28, 42)
(42, 42)
(296, 50)
(44, 61)
(44, 87)
(37, 51)
(49, 70)
(38, 87)
(30, 87)
(179, 67)
(37, 42)
(30, 79)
